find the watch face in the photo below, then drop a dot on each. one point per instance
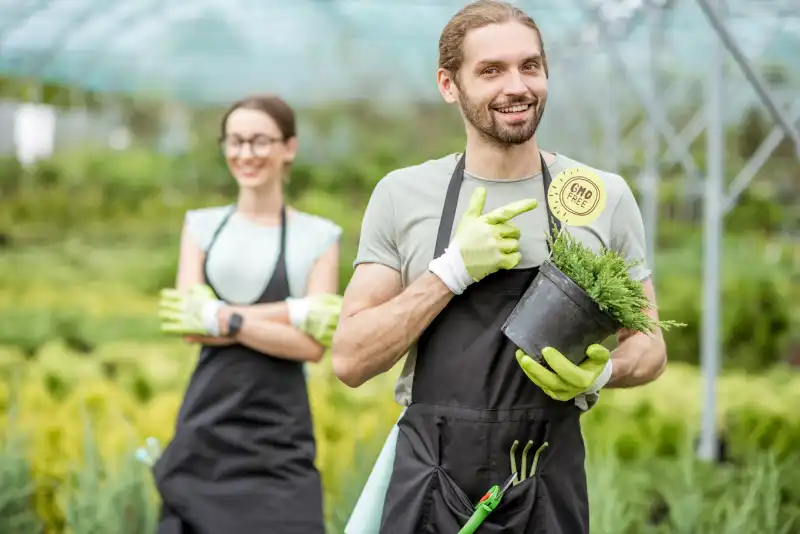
(234, 324)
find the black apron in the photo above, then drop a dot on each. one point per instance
(470, 401)
(242, 458)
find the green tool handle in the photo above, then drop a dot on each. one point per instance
(478, 517)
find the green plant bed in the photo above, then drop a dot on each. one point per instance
(110, 498)
(17, 491)
(646, 495)
(30, 330)
(684, 495)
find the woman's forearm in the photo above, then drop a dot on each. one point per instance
(271, 311)
(279, 340)
(271, 337)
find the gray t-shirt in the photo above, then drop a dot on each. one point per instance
(402, 220)
(245, 252)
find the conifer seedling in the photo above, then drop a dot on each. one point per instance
(604, 276)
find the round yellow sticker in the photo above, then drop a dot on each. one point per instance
(577, 196)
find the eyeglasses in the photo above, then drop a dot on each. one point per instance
(260, 145)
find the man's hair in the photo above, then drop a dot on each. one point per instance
(477, 15)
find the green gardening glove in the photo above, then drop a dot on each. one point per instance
(568, 380)
(316, 315)
(483, 243)
(192, 312)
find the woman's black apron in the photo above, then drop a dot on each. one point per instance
(242, 458)
(470, 402)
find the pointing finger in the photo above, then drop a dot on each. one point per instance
(509, 211)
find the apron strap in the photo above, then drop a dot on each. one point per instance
(551, 219)
(214, 236)
(451, 202)
(449, 210)
(279, 275)
(282, 253)
(220, 226)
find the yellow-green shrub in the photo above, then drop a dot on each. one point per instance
(58, 387)
(133, 390)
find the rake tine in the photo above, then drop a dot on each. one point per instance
(525, 458)
(514, 461)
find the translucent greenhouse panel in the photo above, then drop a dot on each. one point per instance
(211, 51)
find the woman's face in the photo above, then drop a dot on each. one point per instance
(254, 148)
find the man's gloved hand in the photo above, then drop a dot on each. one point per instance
(194, 312)
(483, 243)
(316, 315)
(569, 380)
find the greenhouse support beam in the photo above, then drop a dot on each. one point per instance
(60, 41)
(752, 75)
(68, 33)
(655, 111)
(697, 123)
(651, 178)
(757, 160)
(708, 449)
(16, 22)
(673, 92)
(144, 12)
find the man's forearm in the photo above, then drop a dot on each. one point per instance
(371, 341)
(638, 360)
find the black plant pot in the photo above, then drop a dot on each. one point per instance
(556, 312)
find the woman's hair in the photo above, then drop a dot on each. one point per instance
(274, 106)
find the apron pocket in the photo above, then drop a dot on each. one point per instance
(450, 504)
(519, 509)
(421, 497)
(446, 507)
(445, 463)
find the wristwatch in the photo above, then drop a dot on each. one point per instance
(234, 324)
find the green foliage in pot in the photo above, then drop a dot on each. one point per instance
(605, 277)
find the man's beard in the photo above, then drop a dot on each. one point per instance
(486, 123)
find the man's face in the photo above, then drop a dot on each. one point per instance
(501, 86)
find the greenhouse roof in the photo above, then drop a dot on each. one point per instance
(210, 51)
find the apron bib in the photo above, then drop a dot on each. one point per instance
(470, 403)
(242, 458)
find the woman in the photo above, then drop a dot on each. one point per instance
(256, 288)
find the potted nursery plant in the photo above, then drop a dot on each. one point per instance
(579, 298)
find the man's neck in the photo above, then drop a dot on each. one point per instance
(495, 162)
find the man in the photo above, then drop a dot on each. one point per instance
(447, 249)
